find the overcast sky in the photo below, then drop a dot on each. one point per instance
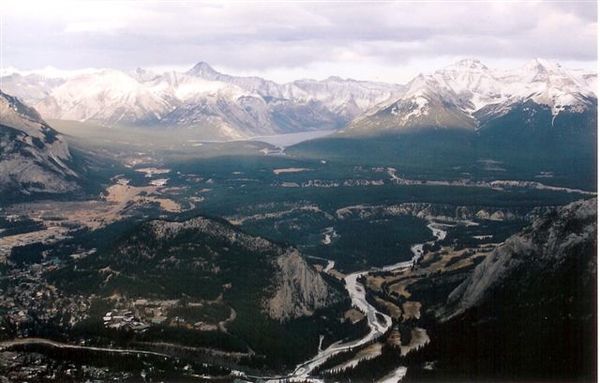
(386, 41)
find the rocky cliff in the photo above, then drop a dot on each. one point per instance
(562, 240)
(299, 290)
(527, 312)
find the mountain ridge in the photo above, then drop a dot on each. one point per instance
(546, 275)
(34, 158)
(453, 97)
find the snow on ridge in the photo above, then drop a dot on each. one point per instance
(471, 85)
(48, 72)
(203, 95)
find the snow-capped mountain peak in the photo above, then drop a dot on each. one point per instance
(107, 95)
(476, 86)
(143, 75)
(426, 87)
(538, 65)
(47, 72)
(204, 70)
(467, 64)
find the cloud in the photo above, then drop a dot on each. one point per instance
(299, 37)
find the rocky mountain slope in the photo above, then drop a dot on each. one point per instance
(559, 242)
(34, 158)
(528, 310)
(299, 290)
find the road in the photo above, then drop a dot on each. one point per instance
(47, 342)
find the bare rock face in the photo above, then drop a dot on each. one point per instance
(300, 290)
(33, 156)
(551, 245)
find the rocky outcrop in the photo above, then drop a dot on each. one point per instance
(527, 312)
(550, 246)
(300, 290)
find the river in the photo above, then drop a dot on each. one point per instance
(379, 323)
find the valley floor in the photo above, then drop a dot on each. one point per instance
(397, 246)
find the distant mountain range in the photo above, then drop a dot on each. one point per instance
(465, 95)
(216, 105)
(534, 120)
(541, 116)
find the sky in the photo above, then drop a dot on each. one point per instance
(284, 40)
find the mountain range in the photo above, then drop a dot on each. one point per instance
(540, 117)
(215, 105)
(464, 95)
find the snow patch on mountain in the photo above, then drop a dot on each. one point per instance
(452, 96)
